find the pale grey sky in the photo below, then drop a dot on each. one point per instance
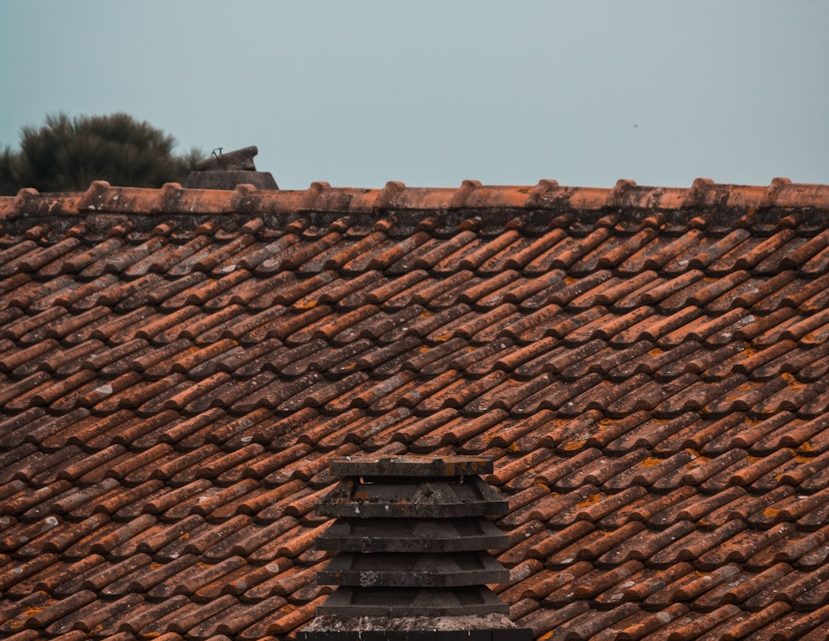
(432, 92)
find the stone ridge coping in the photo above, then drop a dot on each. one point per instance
(547, 195)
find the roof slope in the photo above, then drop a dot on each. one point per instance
(648, 367)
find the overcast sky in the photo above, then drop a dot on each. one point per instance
(358, 93)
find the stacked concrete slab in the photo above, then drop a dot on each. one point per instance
(411, 538)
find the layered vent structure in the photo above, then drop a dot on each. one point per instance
(411, 540)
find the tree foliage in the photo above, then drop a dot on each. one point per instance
(66, 154)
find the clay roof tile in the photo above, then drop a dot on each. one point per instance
(646, 366)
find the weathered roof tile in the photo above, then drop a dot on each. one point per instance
(647, 366)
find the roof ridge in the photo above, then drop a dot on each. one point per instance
(548, 195)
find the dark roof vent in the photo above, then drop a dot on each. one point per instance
(227, 170)
(412, 536)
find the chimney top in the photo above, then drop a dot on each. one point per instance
(412, 537)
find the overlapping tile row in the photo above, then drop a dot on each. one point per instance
(652, 385)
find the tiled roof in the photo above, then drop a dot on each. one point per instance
(648, 367)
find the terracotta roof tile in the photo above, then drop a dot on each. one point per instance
(647, 366)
